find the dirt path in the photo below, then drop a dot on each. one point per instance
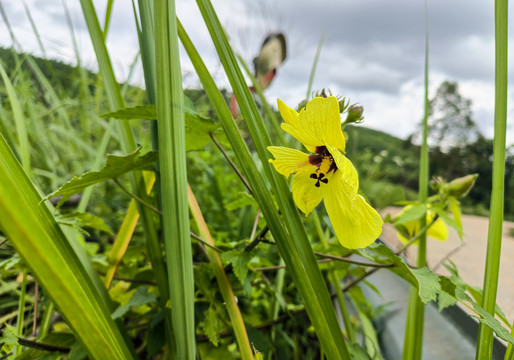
(469, 256)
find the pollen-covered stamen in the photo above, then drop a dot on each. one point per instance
(320, 177)
(324, 162)
(323, 156)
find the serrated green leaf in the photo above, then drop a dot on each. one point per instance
(82, 220)
(477, 294)
(212, 325)
(64, 340)
(198, 128)
(239, 260)
(144, 112)
(245, 199)
(413, 213)
(140, 297)
(428, 282)
(115, 166)
(489, 320)
(447, 295)
(424, 279)
(9, 335)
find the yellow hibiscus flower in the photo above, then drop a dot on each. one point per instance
(326, 174)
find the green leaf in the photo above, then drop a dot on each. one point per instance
(58, 262)
(155, 337)
(9, 336)
(82, 220)
(64, 340)
(198, 128)
(477, 294)
(212, 325)
(446, 298)
(455, 210)
(487, 319)
(140, 297)
(357, 352)
(424, 279)
(239, 260)
(115, 166)
(411, 214)
(428, 284)
(243, 200)
(145, 112)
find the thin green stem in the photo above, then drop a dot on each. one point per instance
(225, 288)
(492, 266)
(137, 198)
(315, 64)
(21, 312)
(413, 342)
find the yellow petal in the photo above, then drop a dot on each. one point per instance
(322, 118)
(318, 124)
(356, 224)
(299, 134)
(289, 115)
(305, 194)
(438, 230)
(289, 161)
(345, 166)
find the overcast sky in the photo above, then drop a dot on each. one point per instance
(373, 51)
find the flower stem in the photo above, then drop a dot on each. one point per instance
(492, 267)
(413, 342)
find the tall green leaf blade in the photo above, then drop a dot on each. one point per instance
(29, 225)
(297, 253)
(115, 101)
(173, 179)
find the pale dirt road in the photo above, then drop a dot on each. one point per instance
(469, 255)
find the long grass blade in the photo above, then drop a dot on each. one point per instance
(31, 228)
(494, 240)
(128, 143)
(173, 180)
(19, 121)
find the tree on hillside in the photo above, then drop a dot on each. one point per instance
(450, 122)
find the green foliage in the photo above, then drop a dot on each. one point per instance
(63, 141)
(115, 166)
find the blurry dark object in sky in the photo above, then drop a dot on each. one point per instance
(271, 56)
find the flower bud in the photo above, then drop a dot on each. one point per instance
(343, 104)
(460, 187)
(354, 114)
